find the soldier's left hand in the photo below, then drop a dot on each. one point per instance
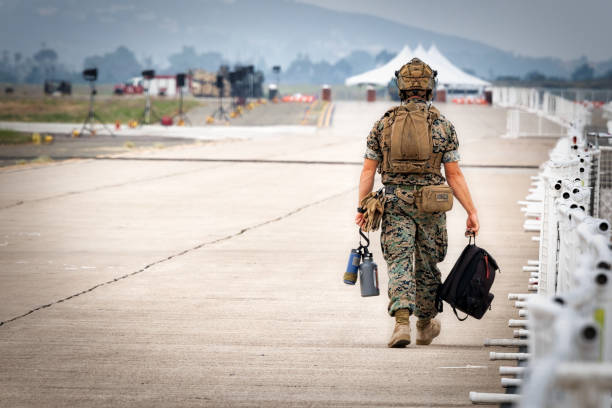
(472, 223)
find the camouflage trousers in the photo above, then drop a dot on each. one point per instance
(413, 242)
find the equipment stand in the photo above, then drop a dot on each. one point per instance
(181, 115)
(148, 110)
(221, 113)
(89, 122)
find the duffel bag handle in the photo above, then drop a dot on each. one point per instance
(471, 235)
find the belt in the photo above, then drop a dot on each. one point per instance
(390, 189)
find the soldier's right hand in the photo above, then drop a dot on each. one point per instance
(359, 219)
(472, 223)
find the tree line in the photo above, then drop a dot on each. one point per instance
(121, 64)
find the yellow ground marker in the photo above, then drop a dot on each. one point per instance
(310, 108)
(330, 112)
(322, 114)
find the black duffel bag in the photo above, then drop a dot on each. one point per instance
(467, 286)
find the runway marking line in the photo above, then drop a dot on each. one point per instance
(307, 113)
(322, 115)
(330, 112)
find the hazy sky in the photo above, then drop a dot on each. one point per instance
(559, 28)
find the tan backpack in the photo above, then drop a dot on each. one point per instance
(407, 140)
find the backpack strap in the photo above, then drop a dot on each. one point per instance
(433, 114)
(458, 318)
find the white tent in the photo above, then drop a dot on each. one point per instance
(382, 75)
(449, 76)
(448, 73)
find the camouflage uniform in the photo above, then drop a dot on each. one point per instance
(407, 232)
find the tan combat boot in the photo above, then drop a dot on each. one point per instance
(427, 330)
(401, 333)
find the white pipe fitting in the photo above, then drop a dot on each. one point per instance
(517, 323)
(521, 333)
(506, 342)
(493, 355)
(518, 296)
(491, 398)
(506, 370)
(511, 382)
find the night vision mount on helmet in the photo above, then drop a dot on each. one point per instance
(416, 75)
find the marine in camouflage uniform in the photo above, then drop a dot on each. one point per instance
(413, 242)
(408, 146)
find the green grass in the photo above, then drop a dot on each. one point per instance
(12, 137)
(74, 110)
(42, 159)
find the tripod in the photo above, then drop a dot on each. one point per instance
(181, 115)
(221, 113)
(88, 124)
(148, 109)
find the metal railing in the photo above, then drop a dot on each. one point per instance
(565, 340)
(546, 105)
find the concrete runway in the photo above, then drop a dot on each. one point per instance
(171, 280)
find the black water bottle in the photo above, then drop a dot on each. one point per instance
(368, 276)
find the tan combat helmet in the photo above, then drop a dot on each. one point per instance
(416, 75)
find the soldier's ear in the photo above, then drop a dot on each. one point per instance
(396, 73)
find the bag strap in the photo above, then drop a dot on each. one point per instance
(432, 114)
(458, 318)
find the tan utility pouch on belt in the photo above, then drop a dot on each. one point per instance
(374, 205)
(435, 198)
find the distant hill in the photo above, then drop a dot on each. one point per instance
(271, 32)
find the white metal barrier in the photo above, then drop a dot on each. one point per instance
(568, 325)
(544, 104)
(607, 109)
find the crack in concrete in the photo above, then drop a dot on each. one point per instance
(178, 254)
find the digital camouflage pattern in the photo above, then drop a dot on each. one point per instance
(444, 140)
(413, 242)
(407, 232)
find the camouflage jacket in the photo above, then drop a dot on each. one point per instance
(444, 140)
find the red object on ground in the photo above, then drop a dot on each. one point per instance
(166, 121)
(326, 93)
(127, 89)
(441, 95)
(371, 96)
(299, 98)
(470, 101)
